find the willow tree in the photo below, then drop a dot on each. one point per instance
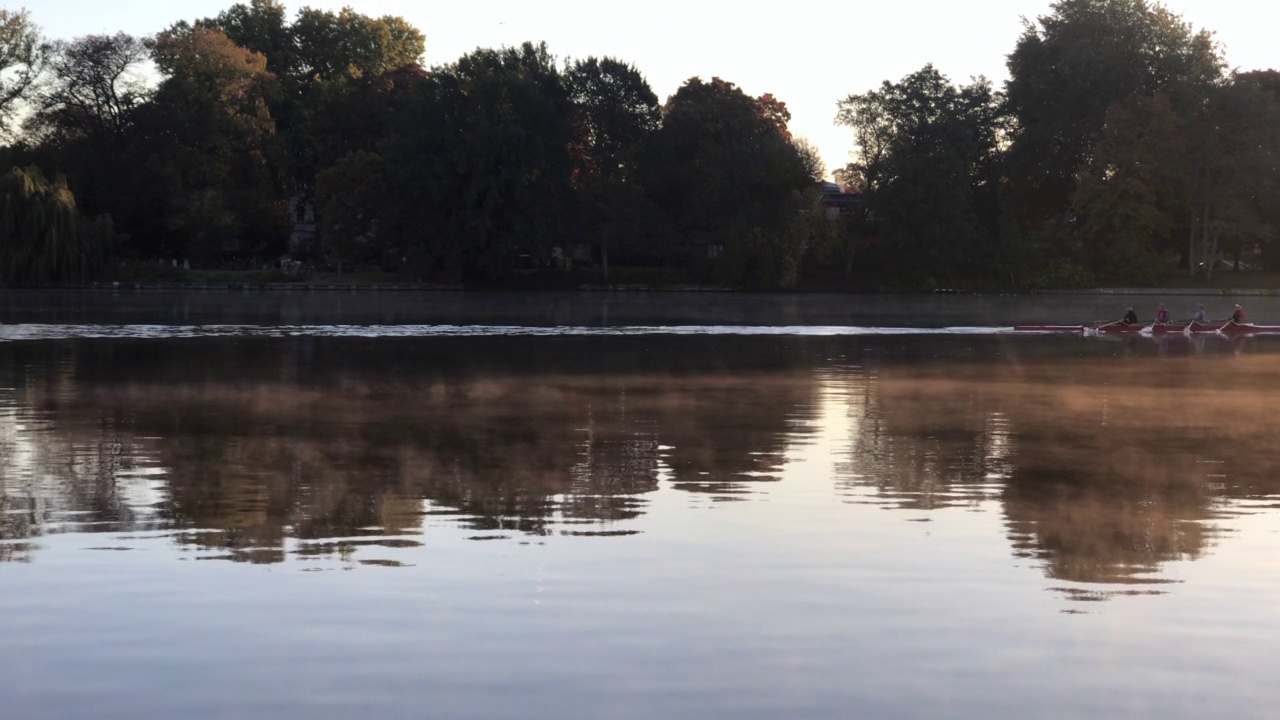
(43, 237)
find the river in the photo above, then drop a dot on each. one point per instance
(889, 508)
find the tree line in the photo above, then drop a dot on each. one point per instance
(1121, 148)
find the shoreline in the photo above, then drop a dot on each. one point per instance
(374, 288)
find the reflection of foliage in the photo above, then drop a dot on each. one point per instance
(354, 451)
(1103, 484)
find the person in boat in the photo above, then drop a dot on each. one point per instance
(1199, 316)
(1162, 314)
(1237, 316)
(1130, 317)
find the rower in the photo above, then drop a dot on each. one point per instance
(1237, 317)
(1199, 314)
(1130, 317)
(1162, 315)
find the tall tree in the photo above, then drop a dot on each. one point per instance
(1131, 189)
(212, 120)
(327, 65)
(85, 115)
(614, 115)
(1071, 65)
(929, 167)
(1234, 152)
(261, 27)
(21, 59)
(480, 163)
(348, 45)
(349, 197)
(97, 82)
(723, 167)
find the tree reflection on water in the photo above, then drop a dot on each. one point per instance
(1104, 467)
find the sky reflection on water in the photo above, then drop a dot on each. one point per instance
(636, 526)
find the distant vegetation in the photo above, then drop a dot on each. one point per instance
(1121, 150)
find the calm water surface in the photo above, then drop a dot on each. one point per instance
(636, 526)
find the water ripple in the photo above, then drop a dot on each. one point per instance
(33, 331)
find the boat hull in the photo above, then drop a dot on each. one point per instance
(1224, 327)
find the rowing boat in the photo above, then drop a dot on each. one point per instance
(1227, 327)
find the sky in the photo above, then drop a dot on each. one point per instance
(809, 55)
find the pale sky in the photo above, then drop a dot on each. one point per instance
(809, 55)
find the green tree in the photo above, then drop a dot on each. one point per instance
(329, 67)
(814, 168)
(1071, 65)
(349, 197)
(260, 27)
(614, 114)
(724, 170)
(348, 45)
(211, 121)
(479, 164)
(1131, 189)
(929, 167)
(1233, 150)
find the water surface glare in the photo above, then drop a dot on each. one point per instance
(322, 521)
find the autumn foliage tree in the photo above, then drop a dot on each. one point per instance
(220, 145)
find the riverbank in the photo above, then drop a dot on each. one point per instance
(384, 287)
(421, 305)
(1172, 292)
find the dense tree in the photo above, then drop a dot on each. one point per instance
(1233, 148)
(810, 156)
(1198, 183)
(43, 237)
(349, 196)
(724, 169)
(218, 144)
(328, 65)
(1071, 65)
(929, 168)
(21, 58)
(1265, 194)
(1117, 145)
(259, 27)
(614, 114)
(348, 45)
(481, 163)
(1131, 189)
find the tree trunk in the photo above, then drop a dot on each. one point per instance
(1191, 248)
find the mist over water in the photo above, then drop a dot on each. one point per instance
(539, 523)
